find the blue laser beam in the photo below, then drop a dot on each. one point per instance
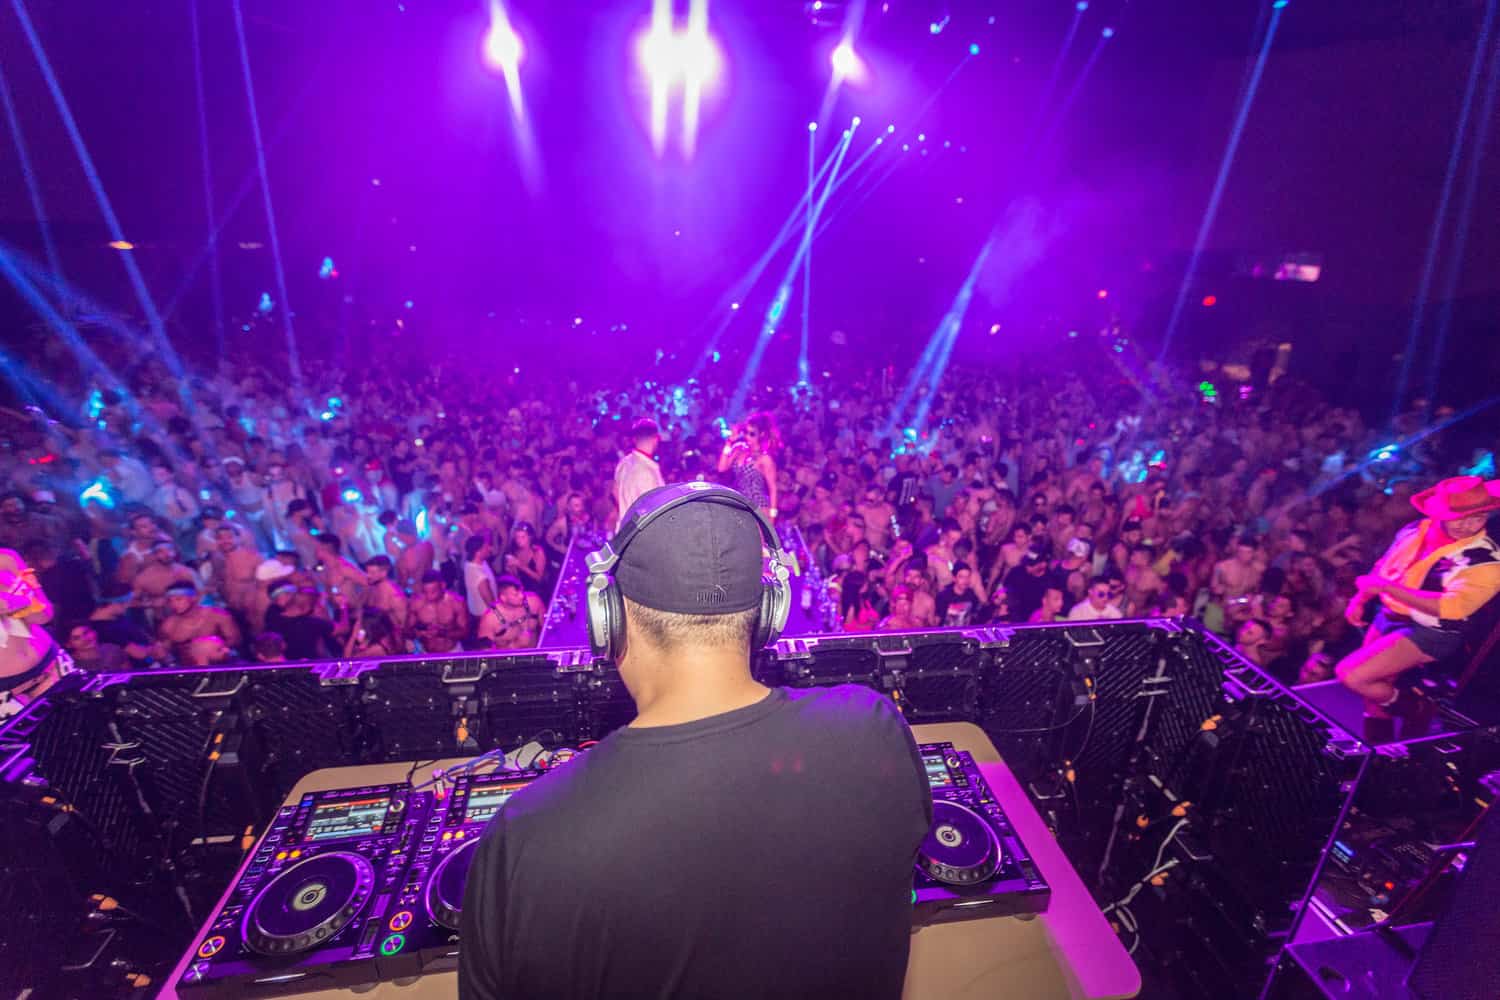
(33, 190)
(1074, 91)
(1225, 164)
(1057, 64)
(1461, 236)
(950, 327)
(216, 286)
(246, 185)
(803, 365)
(727, 307)
(293, 363)
(778, 305)
(137, 281)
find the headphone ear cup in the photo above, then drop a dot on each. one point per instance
(606, 616)
(775, 604)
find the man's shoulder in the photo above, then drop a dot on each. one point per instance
(844, 708)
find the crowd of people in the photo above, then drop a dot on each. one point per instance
(378, 512)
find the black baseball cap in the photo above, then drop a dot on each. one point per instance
(702, 557)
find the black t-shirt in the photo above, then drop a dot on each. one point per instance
(1026, 591)
(956, 609)
(308, 637)
(764, 852)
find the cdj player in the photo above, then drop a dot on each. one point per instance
(972, 863)
(350, 887)
(310, 910)
(363, 885)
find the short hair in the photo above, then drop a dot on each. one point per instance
(917, 562)
(268, 646)
(383, 561)
(432, 576)
(644, 430)
(332, 541)
(669, 631)
(950, 524)
(387, 517)
(225, 527)
(962, 567)
(950, 467)
(1064, 509)
(473, 545)
(1098, 581)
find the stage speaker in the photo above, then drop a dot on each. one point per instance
(1461, 957)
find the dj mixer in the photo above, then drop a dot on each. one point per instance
(431, 899)
(364, 885)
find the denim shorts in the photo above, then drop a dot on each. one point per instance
(1435, 642)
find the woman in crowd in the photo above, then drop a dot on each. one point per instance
(750, 454)
(525, 559)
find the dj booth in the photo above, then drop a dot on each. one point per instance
(1181, 807)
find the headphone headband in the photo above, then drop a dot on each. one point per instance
(606, 606)
(605, 559)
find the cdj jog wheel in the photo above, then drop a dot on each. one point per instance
(308, 903)
(445, 890)
(960, 849)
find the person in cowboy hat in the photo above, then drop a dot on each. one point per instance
(1438, 571)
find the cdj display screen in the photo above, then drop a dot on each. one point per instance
(937, 769)
(485, 801)
(347, 818)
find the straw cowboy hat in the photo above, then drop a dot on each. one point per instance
(1458, 497)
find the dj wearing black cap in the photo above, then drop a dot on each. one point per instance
(734, 840)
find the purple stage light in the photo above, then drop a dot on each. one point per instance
(502, 46)
(656, 54)
(669, 58)
(847, 65)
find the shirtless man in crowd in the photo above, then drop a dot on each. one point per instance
(877, 514)
(1235, 581)
(514, 621)
(143, 534)
(158, 574)
(339, 575)
(198, 636)
(1142, 582)
(916, 580)
(411, 556)
(234, 570)
(1238, 576)
(382, 593)
(438, 619)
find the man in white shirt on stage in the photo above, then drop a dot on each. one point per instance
(638, 472)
